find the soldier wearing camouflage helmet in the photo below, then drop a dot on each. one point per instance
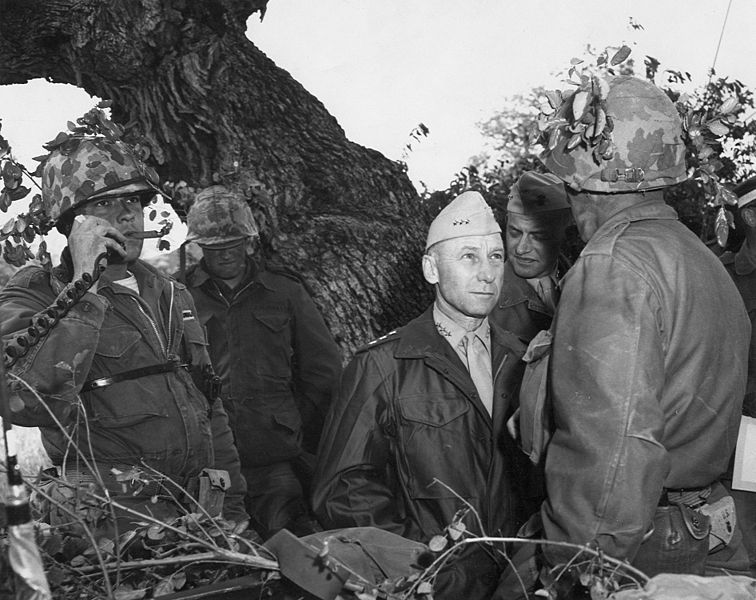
(273, 351)
(126, 398)
(741, 265)
(645, 396)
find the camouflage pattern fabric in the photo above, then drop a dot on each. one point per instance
(219, 216)
(649, 153)
(83, 167)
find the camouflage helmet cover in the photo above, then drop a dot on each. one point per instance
(83, 168)
(219, 216)
(649, 152)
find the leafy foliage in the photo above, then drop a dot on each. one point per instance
(20, 231)
(720, 147)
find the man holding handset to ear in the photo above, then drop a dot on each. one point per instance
(120, 365)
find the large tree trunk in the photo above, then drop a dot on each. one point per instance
(214, 108)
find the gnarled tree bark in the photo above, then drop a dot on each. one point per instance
(214, 108)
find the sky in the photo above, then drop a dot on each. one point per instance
(381, 67)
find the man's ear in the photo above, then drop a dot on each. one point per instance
(430, 269)
(749, 216)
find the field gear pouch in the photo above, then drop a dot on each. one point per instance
(678, 542)
(723, 521)
(213, 484)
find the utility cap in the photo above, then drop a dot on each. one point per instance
(536, 193)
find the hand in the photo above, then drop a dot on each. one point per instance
(91, 236)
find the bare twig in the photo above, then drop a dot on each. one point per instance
(441, 560)
(219, 556)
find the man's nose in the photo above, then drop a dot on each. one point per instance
(128, 210)
(487, 271)
(523, 245)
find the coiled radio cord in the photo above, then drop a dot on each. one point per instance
(44, 321)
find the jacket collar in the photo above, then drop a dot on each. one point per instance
(744, 263)
(649, 209)
(515, 289)
(197, 275)
(146, 275)
(420, 339)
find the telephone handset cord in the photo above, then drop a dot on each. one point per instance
(42, 322)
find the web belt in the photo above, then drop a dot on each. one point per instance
(102, 382)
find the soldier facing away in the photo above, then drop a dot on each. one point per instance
(645, 397)
(741, 266)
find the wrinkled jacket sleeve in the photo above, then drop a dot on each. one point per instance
(354, 464)
(317, 366)
(57, 366)
(605, 465)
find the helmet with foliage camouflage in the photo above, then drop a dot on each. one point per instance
(645, 148)
(82, 169)
(219, 216)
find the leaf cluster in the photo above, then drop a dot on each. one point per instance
(580, 114)
(148, 561)
(18, 232)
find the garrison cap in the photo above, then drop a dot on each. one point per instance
(468, 214)
(745, 191)
(536, 193)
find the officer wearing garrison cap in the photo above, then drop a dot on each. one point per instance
(419, 419)
(538, 214)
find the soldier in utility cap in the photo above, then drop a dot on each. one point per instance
(538, 214)
(419, 418)
(644, 395)
(133, 419)
(741, 265)
(272, 349)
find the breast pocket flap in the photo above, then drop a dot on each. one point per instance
(436, 411)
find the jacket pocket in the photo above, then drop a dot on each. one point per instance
(116, 340)
(128, 403)
(436, 444)
(267, 430)
(273, 321)
(273, 349)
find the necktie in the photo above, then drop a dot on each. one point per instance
(479, 366)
